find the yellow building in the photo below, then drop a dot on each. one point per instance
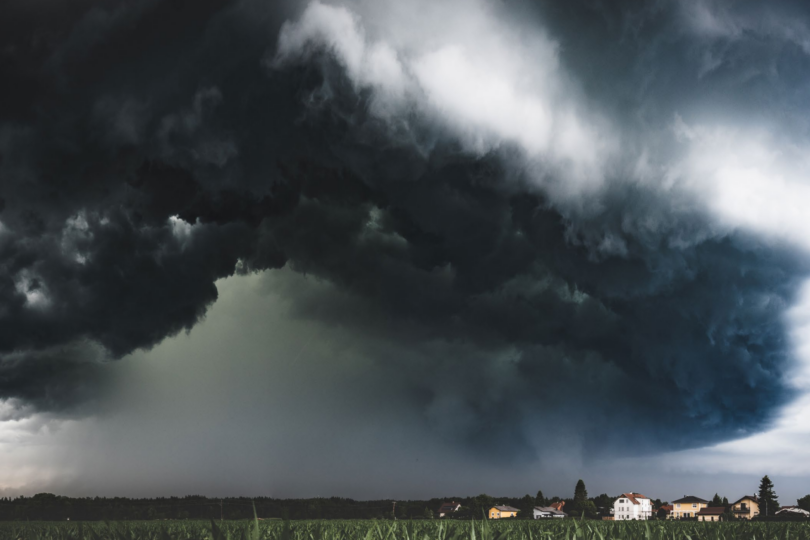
(746, 508)
(688, 507)
(499, 512)
(711, 514)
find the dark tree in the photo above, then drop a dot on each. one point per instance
(804, 503)
(527, 507)
(725, 502)
(603, 501)
(540, 500)
(581, 505)
(580, 493)
(768, 501)
(716, 501)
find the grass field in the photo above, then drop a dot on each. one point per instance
(402, 530)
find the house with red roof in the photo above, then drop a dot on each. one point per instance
(632, 506)
(448, 508)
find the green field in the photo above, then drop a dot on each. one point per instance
(401, 530)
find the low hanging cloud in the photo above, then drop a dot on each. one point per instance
(545, 245)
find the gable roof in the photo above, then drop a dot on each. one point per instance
(667, 508)
(558, 505)
(506, 509)
(635, 498)
(749, 497)
(794, 509)
(449, 507)
(712, 511)
(550, 510)
(691, 499)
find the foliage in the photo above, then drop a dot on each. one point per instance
(804, 503)
(526, 507)
(580, 493)
(255, 529)
(768, 501)
(540, 500)
(717, 501)
(581, 505)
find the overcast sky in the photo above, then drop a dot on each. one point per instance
(404, 249)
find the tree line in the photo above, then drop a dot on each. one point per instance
(50, 507)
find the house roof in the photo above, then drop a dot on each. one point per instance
(749, 497)
(558, 505)
(691, 499)
(712, 511)
(550, 510)
(449, 507)
(634, 497)
(794, 509)
(667, 508)
(506, 509)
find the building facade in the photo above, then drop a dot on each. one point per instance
(711, 514)
(746, 508)
(500, 512)
(543, 512)
(632, 506)
(688, 507)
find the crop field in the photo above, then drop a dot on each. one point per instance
(402, 530)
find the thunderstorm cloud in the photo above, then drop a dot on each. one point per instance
(588, 211)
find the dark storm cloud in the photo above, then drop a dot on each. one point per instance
(150, 148)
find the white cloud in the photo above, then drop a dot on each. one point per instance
(493, 87)
(748, 179)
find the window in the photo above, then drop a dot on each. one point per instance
(694, 506)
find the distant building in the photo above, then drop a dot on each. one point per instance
(793, 510)
(543, 512)
(632, 506)
(688, 507)
(448, 508)
(500, 512)
(714, 513)
(558, 506)
(665, 511)
(746, 508)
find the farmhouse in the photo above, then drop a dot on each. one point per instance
(542, 512)
(688, 506)
(711, 514)
(746, 508)
(500, 512)
(448, 508)
(632, 506)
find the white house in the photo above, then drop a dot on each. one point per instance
(632, 506)
(542, 512)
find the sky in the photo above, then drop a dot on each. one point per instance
(385, 249)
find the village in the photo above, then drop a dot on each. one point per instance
(634, 506)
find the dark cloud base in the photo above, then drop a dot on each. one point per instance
(147, 151)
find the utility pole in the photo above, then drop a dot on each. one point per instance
(394, 511)
(221, 518)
